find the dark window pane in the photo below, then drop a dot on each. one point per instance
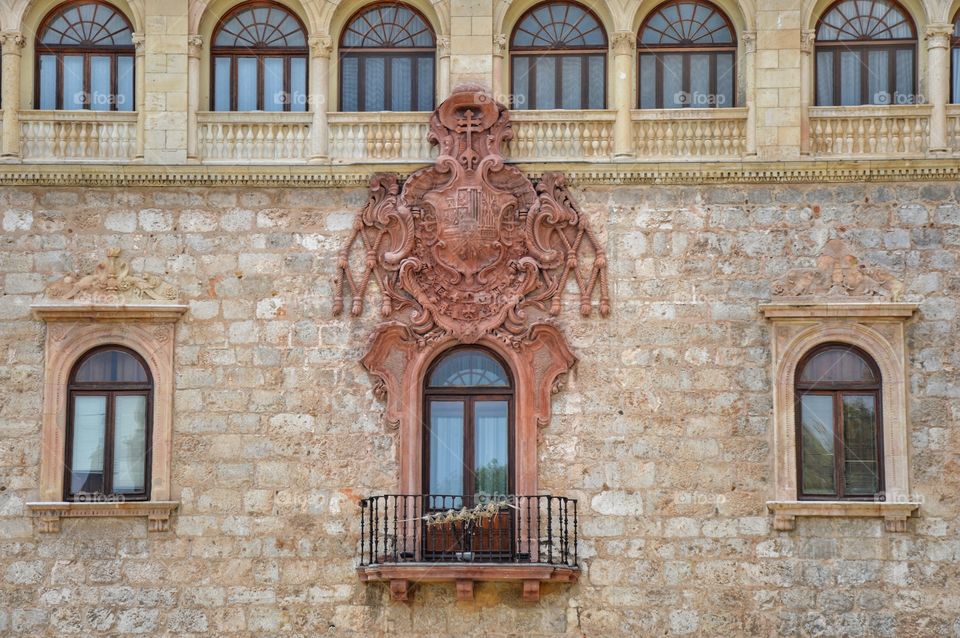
(865, 20)
(221, 86)
(247, 84)
(491, 447)
(89, 430)
(904, 78)
(111, 366)
(74, 97)
(956, 74)
(125, 79)
(425, 84)
(374, 82)
(446, 447)
(401, 84)
(648, 81)
(298, 84)
(596, 82)
(559, 25)
(825, 95)
(100, 96)
(817, 432)
(261, 27)
(837, 365)
(545, 90)
(521, 73)
(274, 94)
(130, 444)
(861, 469)
(570, 76)
(878, 76)
(850, 70)
(350, 86)
(466, 368)
(673, 94)
(48, 82)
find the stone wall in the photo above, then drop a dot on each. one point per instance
(663, 432)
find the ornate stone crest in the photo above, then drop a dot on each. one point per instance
(470, 246)
(111, 282)
(838, 274)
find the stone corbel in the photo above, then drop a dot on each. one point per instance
(550, 359)
(387, 360)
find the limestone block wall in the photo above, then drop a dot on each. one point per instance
(663, 432)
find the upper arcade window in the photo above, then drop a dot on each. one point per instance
(387, 56)
(558, 55)
(866, 54)
(85, 58)
(955, 60)
(110, 396)
(259, 60)
(838, 424)
(687, 57)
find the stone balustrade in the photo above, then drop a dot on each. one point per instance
(953, 128)
(77, 135)
(380, 136)
(869, 131)
(561, 135)
(671, 134)
(254, 137)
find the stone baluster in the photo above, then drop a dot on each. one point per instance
(11, 43)
(624, 49)
(938, 82)
(194, 47)
(320, 49)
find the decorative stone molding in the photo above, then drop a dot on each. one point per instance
(111, 282)
(938, 35)
(321, 46)
(12, 42)
(749, 39)
(401, 578)
(838, 274)
(469, 250)
(139, 40)
(499, 44)
(841, 301)
(623, 43)
(194, 46)
(808, 38)
(109, 306)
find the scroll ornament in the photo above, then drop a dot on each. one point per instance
(112, 282)
(839, 274)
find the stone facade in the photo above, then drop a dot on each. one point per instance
(663, 431)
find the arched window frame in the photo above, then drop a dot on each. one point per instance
(837, 391)
(114, 52)
(361, 56)
(524, 53)
(861, 46)
(110, 390)
(262, 53)
(469, 395)
(715, 50)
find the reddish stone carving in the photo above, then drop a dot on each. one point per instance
(469, 250)
(469, 245)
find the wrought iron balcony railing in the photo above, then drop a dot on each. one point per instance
(418, 528)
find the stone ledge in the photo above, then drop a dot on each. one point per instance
(49, 513)
(154, 312)
(825, 309)
(402, 576)
(895, 515)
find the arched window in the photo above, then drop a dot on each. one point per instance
(259, 60)
(108, 427)
(838, 424)
(558, 55)
(688, 53)
(387, 56)
(85, 59)
(468, 436)
(866, 53)
(955, 57)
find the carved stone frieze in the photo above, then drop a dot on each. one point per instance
(112, 282)
(838, 273)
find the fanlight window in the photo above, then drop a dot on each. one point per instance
(85, 59)
(838, 391)
(259, 60)
(558, 55)
(866, 54)
(468, 438)
(687, 57)
(387, 55)
(955, 56)
(110, 397)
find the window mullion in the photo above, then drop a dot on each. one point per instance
(840, 448)
(108, 444)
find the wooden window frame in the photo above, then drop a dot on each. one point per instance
(469, 395)
(361, 54)
(114, 52)
(954, 97)
(838, 391)
(532, 53)
(687, 51)
(260, 54)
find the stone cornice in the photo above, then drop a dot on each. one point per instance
(157, 313)
(578, 173)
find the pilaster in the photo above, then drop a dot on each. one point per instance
(938, 82)
(11, 43)
(166, 82)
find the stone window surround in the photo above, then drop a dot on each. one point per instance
(72, 330)
(878, 328)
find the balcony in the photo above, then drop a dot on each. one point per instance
(863, 132)
(106, 136)
(380, 137)
(702, 134)
(226, 137)
(411, 538)
(953, 128)
(561, 136)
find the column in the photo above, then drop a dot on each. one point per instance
(320, 49)
(496, 84)
(623, 46)
(750, 80)
(11, 43)
(938, 83)
(807, 38)
(194, 46)
(140, 93)
(443, 68)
